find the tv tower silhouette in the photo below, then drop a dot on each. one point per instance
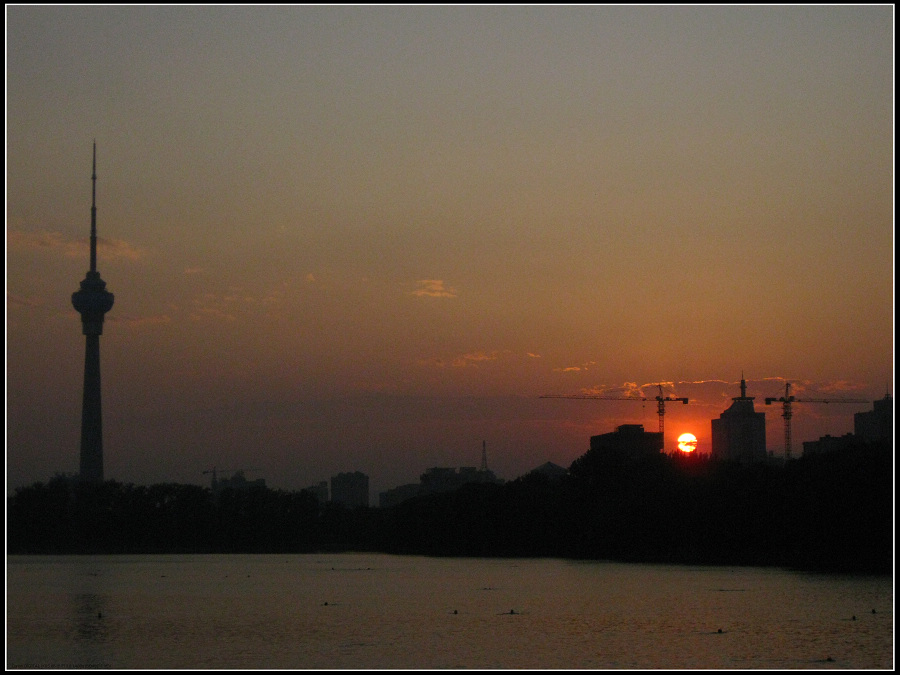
(92, 302)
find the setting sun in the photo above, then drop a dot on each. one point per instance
(687, 442)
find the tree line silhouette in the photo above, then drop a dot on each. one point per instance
(829, 512)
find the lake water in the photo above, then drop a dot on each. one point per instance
(348, 611)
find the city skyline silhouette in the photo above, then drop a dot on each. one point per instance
(371, 238)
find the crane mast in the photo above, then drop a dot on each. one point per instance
(787, 412)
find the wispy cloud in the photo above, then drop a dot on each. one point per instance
(838, 386)
(57, 243)
(20, 240)
(576, 369)
(118, 249)
(235, 301)
(705, 382)
(799, 386)
(141, 321)
(716, 393)
(433, 288)
(211, 313)
(15, 300)
(469, 359)
(213, 306)
(473, 358)
(629, 389)
(632, 389)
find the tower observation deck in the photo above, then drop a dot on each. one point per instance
(92, 301)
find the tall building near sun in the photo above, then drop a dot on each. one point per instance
(92, 301)
(740, 432)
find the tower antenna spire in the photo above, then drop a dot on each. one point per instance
(94, 211)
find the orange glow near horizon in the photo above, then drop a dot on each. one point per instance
(687, 443)
(464, 225)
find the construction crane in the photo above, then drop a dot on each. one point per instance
(787, 413)
(660, 402)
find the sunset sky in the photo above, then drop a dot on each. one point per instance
(369, 238)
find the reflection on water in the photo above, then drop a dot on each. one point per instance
(88, 613)
(379, 611)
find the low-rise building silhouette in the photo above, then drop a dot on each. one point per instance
(873, 426)
(828, 443)
(399, 494)
(319, 491)
(628, 442)
(350, 489)
(440, 479)
(550, 470)
(437, 479)
(238, 481)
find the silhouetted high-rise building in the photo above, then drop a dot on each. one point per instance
(350, 489)
(876, 424)
(92, 301)
(740, 432)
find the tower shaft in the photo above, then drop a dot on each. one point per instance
(91, 466)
